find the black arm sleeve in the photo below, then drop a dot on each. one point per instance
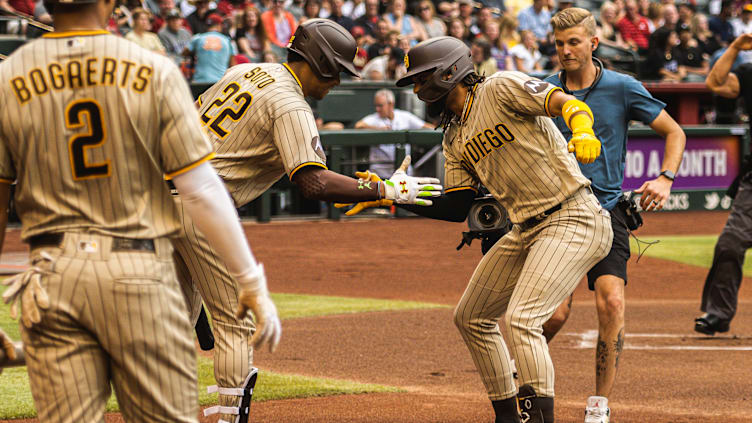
(453, 206)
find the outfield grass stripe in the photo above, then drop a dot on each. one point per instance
(293, 306)
(696, 250)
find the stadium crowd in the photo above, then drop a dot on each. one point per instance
(675, 41)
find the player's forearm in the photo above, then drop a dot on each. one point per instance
(316, 183)
(453, 206)
(205, 199)
(720, 71)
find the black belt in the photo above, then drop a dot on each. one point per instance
(118, 244)
(535, 220)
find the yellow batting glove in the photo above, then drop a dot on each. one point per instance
(585, 146)
(359, 207)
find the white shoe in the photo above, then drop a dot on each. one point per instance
(597, 410)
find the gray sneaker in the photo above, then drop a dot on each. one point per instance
(597, 410)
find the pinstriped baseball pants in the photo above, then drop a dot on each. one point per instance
(523, 278)
(113, 316)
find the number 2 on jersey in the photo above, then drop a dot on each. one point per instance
(86, 113)
(240, 100)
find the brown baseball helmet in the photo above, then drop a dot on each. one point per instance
(447, 58)
(326, 46)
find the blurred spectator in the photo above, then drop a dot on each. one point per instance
(484, 15)
(466, 9)
(525, 55)
(311, 9)
(296, 8)
(608, 27)
(721, 26)
(382, 36)
(326, 9)
(670, 16)
(536, 19)
(499, 50)
(706, 40)
(388, 118)
(480, 54)
(354, 9)
(369, 20)
(743, 24)
(264, 5)
(251, 37)
(174, 37)
(141, 34)
(690, 56)
(508, 28)
(389, 66)
(403, 23)
(457, 29)
(165, 6)
(564, 4)
(655, 16)
(403, 43)
(21, 6)
(643, 6)
(662, 63)
(448, 9)
(634, 27)
(124, 14)
(433, 26)
(686, 13)
(213, 52)
(338, 17)
(197, 19)
(270, 57)
(279, 24)
(361, 40)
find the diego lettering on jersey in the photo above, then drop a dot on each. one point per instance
(79, 73)
(484, 142)
(259, 77)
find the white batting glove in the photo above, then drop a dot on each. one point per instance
(253, 295)
(26, 288)
(404, 189)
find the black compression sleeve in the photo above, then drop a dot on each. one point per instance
(452, 206)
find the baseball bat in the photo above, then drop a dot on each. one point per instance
(30, 19)
(20, 357)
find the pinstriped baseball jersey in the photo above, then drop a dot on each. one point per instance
(91, 124)
(502, 141)
(261, 128)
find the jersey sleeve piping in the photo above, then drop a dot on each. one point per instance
(448, 190)
(6, 181)
(171, 175)
(302, 165)
(548, 98)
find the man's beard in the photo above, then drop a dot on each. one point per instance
(437, 107)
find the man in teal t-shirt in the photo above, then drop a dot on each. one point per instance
(213, 50)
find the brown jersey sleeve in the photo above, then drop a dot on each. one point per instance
(183, 142)
(297, 140)
(522, 93)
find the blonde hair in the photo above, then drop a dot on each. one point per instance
(574, 16)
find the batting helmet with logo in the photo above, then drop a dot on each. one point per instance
(327, 47)
(448, 60)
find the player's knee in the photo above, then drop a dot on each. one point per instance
(461, 320)
(611, 308)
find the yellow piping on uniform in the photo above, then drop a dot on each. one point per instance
(448, 190)
(470, 103)
(6, 181)
(189, 167)
(293, 74)
(64, 34)
(548, 97)
(302, 165)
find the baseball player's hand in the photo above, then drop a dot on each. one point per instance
(742, 42)
(253, 295)
(585, 146)
(359, 207)
(654, 193)
(404, 189)
(26, 288)
(7, 349)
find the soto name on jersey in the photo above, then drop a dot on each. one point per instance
(79, 73)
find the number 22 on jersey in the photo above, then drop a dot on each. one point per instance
(86, 113)
(234, 110)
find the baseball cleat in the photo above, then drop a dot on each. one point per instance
(710, 324)
(529, 413)
(597, 410)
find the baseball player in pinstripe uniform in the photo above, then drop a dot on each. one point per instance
(92, 124)
(262, 129)
(497, 132)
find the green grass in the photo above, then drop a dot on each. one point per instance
(695, 250)
(17, 401)
(292, 306)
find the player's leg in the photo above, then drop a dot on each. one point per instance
(557, 320)
(150, 344)
(609, 301)
(68, 371)
(561, 251)
(477, 314)
(233, 354)
(720, 294)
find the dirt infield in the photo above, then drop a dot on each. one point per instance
(667, 373)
